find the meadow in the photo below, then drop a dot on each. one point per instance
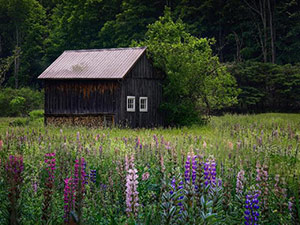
(237, 169)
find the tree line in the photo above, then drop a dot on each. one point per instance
(254, 38)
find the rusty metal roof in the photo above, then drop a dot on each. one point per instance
(111, 63)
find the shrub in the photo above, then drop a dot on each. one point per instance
(17, 105)
(15, 102)
(36, 114)
(19, 122)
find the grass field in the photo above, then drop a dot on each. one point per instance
(238, 169)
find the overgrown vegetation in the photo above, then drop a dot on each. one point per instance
(196, 84)
(200, 175)
(19, 102)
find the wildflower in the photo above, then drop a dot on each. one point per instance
(262, 183)
(162, 166)
(145, 176)
(1, 144)
(93, 176)
(132, 195)
(251, 208)
(173, 186)
(290, 206)
(187, 169)
(168, 145)
(80, 175)
(194, 169)
(230, 145)
(68, 199)
(14, 168)
(240, 181)
(204, 145)
(50, 161)
(156, 140)
(210, 171)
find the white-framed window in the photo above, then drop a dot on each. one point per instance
(143, 104)
(130, 103)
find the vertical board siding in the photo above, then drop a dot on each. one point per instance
(80, 96)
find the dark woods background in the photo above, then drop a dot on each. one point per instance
(258, 40)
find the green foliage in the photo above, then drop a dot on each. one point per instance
(14, 102)
(36, 114)
(196, 82)
(267, 87)
(19, 122)
(17, 105)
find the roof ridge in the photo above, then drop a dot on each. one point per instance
(104, 49)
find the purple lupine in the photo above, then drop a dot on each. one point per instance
(168, 145)
(187, 169)
(93, 176)
(137, 142)
(156, 140)
(251, 208)
(51, 163)
(173, 186)
(210, 172)
(194, 169)
(68, 198)
(80, 175)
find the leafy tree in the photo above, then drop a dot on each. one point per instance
(267, 87)
(131, 23)
(75, 25)
(196, 82)
(23, 29)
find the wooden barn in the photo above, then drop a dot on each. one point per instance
(101, 87)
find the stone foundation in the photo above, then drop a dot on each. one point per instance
(80, 120)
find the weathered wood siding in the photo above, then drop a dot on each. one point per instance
(70, 101)
(77, 97)
(141, 81)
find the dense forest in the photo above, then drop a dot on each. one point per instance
(258, 40)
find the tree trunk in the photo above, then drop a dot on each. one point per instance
(271, 32)
(17, 61)
(263, 16)
(238, 47)
(260, 10)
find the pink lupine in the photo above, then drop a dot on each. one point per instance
(145, 176)
(1, 144)
(132, 195)
(14, 168)
(50, 161)
(204, 145)
(262, 183)
(240, 180)
(162, 165)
